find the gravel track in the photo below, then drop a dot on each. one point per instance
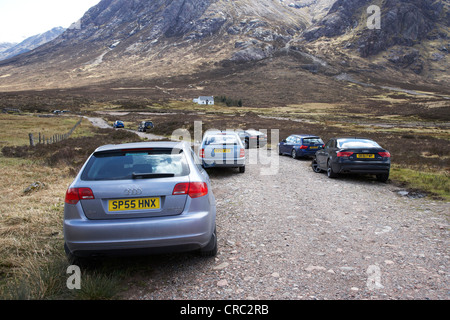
(299, 235)
(103, 124)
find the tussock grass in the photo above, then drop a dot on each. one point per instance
(31, 236)
(98, 285)
(15, 128)
(435, 183)
(32, 259)
(30, 224)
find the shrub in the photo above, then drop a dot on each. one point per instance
(229, 102)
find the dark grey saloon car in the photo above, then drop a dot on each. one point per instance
(353, 155)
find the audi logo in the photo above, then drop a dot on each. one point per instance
(133, 191)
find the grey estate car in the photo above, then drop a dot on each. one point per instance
(139, 198)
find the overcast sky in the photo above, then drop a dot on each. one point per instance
(20, 19)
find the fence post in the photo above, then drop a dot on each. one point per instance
(55, 138)
(31, 139)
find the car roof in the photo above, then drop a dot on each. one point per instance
(354, 138)
(305, 135)
(253, 131)
(219, 132)
(140, 145)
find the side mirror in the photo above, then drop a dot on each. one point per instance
(284, 140)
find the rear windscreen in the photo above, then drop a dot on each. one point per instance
(132, 164)
(312, 141)
(355, 143)
(221, 139)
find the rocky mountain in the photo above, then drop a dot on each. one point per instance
(9, 50)
(412, 33)
(143, 39)
(402, 22)
(6, 45)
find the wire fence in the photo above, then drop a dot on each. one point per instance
(42, 139)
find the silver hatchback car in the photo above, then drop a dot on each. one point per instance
(139, 198)
(222, 149)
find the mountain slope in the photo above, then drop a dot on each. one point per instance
(6, 46)
(414, 34)
(143, 39)
(30, 43)
(120, 38)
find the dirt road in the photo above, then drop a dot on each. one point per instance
(101, 123)
(300, 235)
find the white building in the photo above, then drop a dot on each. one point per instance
(205, 100)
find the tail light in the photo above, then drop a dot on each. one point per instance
(181, 188)
(192, 189)
(385, 154)
(304, 147)
(73, 195)
(344, 154)
(197, 189)
(202, 153)
(242, 153)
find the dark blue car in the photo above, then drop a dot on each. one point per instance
(300, 146)
(118, 124)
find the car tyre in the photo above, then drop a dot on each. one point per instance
(330, 172)
(211, 249)
(384, 177)
(73, 259)
(294, 154)
(315, 166)
(242, 169)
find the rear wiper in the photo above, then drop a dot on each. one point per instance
(152, 175)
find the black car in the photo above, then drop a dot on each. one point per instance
(145, 125)
(252, 138)
(353, 155)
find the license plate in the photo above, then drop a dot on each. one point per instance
(134, 204)
(365, 156)
(222, 150)
(314, 147)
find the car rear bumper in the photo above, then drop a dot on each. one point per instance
(225, 164)
(257, 143)
(364, 168)
(306, 153)
(185, 232)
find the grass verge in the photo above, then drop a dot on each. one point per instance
(435, 184)
(19, 126)
(33, 265)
